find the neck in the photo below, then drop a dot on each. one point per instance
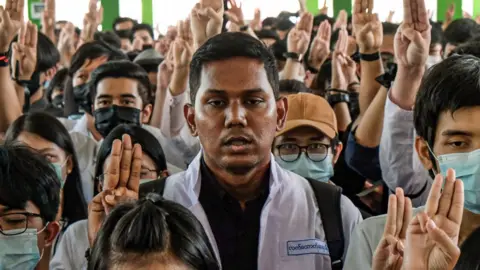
(44, 263)
(470, 222)
(242, 187)
(37, 96)
(91, 127)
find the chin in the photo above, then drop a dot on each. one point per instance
(239, 165)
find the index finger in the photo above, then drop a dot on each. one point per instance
(33, 35)
(456, 210)
(431, 206)
(391, 223)
(407, 12)
(180, 29)
(422, 14)
(134, 181)
(21, 34)
(126, 160)
(357, 8)
(407, 217)
(113, 166)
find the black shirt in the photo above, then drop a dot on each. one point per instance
(236, 231)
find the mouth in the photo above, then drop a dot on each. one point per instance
(238, 144)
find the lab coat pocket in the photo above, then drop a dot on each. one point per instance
(307, 253)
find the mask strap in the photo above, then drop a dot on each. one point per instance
(433, 157)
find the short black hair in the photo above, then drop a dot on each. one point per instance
(461, 31)
(152, 226)
(269, 22)
(279, 48)
(317, 20)
(122, 69)
(139, 135)
(109, 37)
(437, 35)
(230, 45)
(284, 24)
(390, 28)
(25, 176)
(469, 258)
(74, 204)
(449, 86)
(120, 20)
(293, 87)
(267, 33)
(58, 82)
(143, 26)
(471, 47)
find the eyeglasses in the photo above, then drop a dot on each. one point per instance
(16, 222)
(290, 152)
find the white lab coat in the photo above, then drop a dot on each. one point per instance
(291, 231)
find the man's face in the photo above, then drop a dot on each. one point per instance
(82, 76)
(14, 219)
(236, 117)
(303, 137)
(144, 36)
(126, 44)
(127, 25)
(122, 92)
(457, 133)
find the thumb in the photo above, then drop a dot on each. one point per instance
(444, 242)
(212, 14)
(413, 35)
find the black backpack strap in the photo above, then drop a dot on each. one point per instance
(328, 199)
(156, 186)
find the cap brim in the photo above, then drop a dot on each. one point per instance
(322, 127)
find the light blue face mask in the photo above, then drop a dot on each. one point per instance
(307, 168)
(467, 169)
(19, 252)
(59, 170)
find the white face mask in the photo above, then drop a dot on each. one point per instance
(433, 60)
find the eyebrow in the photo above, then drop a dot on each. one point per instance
(104, 96)
(452, 132)
(244, 92)
(127, 96)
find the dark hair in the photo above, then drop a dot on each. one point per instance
(437, 35)
(120, 20)
(149, 143)
(110, 38)
(279, 48)
(269, 22)
(284, 24)
(461, 31)
(293, 87)
(143, 26)
(469, 259)
(449, 86)
(390, 28)
(25, 176)
(230, 45)
(122, 69)
(50, 129)
(48, 55)
(152, 226)
(471, 47)
(58, 82)
(317, 20)
(267, 33)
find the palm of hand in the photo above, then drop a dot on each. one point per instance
(410, 54)
(214, 4)
(359, 21)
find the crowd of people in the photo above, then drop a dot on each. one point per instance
(276, 143)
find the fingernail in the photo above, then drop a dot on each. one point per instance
(431, 224)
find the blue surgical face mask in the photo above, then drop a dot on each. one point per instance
(467, 169)
(19, 252)
(59, 170)
(307, 168)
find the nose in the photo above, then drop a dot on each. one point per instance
(235, 115)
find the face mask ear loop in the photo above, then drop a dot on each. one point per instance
(433, 158)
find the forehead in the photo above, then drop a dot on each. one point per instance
(142, 32)
(303, 133)
(234, 76)
(36, 142)
(464, 119)
(29, 207)
(117, 86)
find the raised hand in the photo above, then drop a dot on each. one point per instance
(299, 37)
(367, 27)
(467, 15)
(340, 62)
(25, 51)
(389, 252)
(432, 236)
(235, 13)
(182, 49)
(324, 9)
(320, 47)
(48, 17)
(450, 13)
(92, 19)
(412, 41)
(256, 23)
(206, 20)
(390, 16)
(65, 44)
(342, 20)
(11, 19)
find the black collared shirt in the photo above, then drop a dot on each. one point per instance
(236, 231)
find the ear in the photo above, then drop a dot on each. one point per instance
(423, 153)
(146, 114)
(50, 73)
(69, 164)
(338, 150)
(189, 113)
(164, 174)
(282, 109)
(51, 232)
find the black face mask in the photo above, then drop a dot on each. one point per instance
(81, 94)
(106, 119)
(124, 34)
(57, 101)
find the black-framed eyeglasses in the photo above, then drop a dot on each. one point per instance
(16, 222)
(290, 152)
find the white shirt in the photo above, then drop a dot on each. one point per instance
(70, 252)
(290, 218)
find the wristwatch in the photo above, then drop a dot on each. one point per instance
(338, 98)
(294, 56)
(4, 61)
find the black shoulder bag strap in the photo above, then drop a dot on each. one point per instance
(156, 186)
(328, 199)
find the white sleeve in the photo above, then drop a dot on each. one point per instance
(70, 253)
(173, 119)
